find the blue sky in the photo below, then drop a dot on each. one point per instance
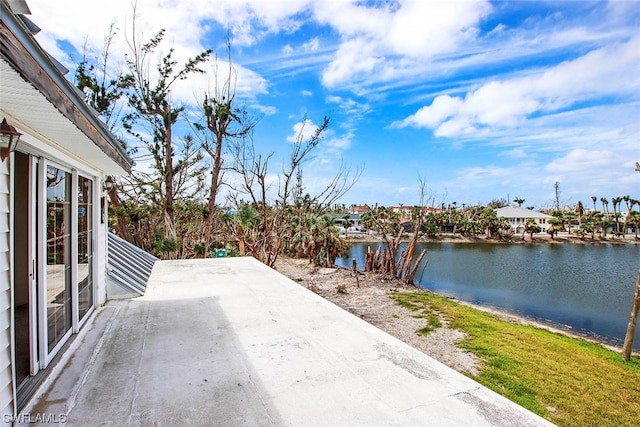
(482, 100)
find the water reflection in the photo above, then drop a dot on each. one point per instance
(589, 288)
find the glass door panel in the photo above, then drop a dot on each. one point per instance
(85, 249)
(24, 290)
(58, 253)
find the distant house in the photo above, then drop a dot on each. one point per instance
(360, 209)
(53, 232)
(353, 225)
(408, 211)
(406, 224)
(518, 218)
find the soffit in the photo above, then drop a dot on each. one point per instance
(30, 112)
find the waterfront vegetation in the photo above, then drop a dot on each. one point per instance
(569, 381)
(173, 206)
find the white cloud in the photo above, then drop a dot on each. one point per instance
(373, 38)
(516, 153)
(582, 170)
(245, 83)
(356, 56)
(267, 110)
(302, 130)
(312, 45)
(287, 50)
(306, 93)
(88, 26)
(329, 152)
(481, 184)
(422, 29)
(507, 103)
(583, 160)
(340, 142)
(185, 31)
(352, 109)
(186, 22)
(441, 109)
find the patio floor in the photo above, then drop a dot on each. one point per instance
(231, 342)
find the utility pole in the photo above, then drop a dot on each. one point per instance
(633, 318)
(633, 322)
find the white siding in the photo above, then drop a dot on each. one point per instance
(6, 376)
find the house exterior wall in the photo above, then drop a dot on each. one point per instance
(7, 385)
(6, 371)
(518, 218)
(518, 224)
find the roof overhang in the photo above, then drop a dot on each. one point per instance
(38, 100)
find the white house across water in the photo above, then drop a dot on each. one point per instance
(518, 218)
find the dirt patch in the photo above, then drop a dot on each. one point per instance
(370, 301)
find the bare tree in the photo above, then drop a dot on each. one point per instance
(104, 88)
(300, 153)
(256, 236)
(149, 96)
(395, 259)
(273, 227)
(408, 268)
(102, 85)
(224, 121)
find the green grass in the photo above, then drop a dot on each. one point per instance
(432, 317)
(568, 381)
(433, 323)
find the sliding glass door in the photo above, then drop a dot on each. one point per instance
(85, 246)
(58, 255)
(54, 274)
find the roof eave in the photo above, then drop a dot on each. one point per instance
(26, 57)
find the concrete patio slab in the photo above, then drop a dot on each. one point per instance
(231, 342)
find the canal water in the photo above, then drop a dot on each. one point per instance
(585, 288)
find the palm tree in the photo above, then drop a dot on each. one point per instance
(559, 216)
(616, 212)
(326, 242)
(634, 218)
(531, 227)
(556, 224)
(492, 224)
(627, 201)
(347, 223)
(568, 216)
(245, 221)
(597, 217)
(605, 216)
(519, 201)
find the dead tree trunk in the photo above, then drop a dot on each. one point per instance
(633, 322)
(121, 224)
(368, 260)
(355, 271)
(410, 277)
